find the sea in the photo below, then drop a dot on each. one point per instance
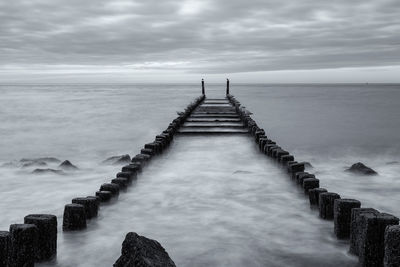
(209, 201)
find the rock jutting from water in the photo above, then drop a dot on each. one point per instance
(67, 165)
(360, 168)
(115, 160)
(44, 159)
(141, 251)
(47, 171)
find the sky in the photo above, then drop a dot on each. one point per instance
(186, 40)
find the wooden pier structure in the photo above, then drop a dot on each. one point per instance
(373, 236)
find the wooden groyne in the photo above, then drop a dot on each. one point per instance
(373, 236)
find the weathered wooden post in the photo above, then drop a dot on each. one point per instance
(313, 195)
(342, 216)
(227, 86)
(392, 246)
(47, 234)
(203, 91)
(74, 217)
(24, 243)
(372, 247)
(357, 227)
(326, 202)
(5, 247)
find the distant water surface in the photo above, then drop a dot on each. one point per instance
(212, 201)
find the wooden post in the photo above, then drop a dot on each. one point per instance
(227, 86)
(203, 91)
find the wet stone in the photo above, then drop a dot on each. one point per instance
(47, 235)
(140, 251)
(67, 165)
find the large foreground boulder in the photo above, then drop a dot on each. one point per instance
(360, 168)
(140, 251)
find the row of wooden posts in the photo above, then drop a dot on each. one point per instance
(373, 236)
(203, 88)
(35, 240)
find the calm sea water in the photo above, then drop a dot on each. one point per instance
(209, 201)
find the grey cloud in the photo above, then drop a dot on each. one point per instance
(209, 36)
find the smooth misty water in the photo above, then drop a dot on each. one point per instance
(209, 201)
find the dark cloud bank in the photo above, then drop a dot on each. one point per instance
(196, 37)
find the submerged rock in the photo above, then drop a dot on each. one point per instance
(33, 163)
(123, 159)
(392, 163)
(242, 172)
(140, 251)
(67, 165)
(360, 168)
(44, 159)
(308, 165)
(47, 171)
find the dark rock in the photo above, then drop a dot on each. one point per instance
(104, 196)
(47, 171)
(342, 216)
(91, 205)
(67, 165)
(47, 234)
(140, 251)
(115, 160)
(308, 165)
(33, 163)
(44, 159)
(74, 217)
(357, 226)
(360, 168)
(392, 246)
(325, 203)
(24, 243)
(5, 247)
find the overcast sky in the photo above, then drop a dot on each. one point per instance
(183, 40)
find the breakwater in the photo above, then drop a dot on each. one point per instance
(113, 196)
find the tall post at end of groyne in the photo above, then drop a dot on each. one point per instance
(203, 90)
(227, 86)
